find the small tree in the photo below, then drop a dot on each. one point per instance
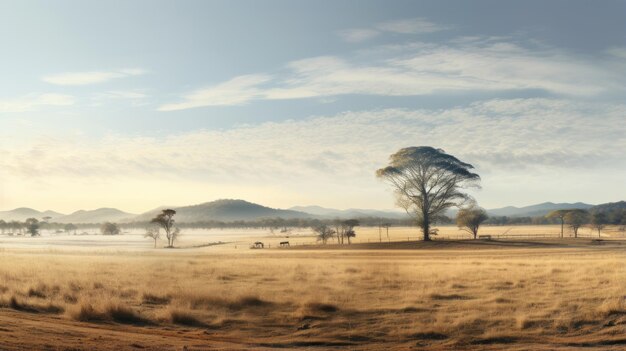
(386, 225)
(70, 227)
(598, 221)
(108, 228)
(165, 220)
(560, 214)
(470, 219)
(575, 219)
(339, 230)
(32, 226)
(323, 232)
(347, 228)
(153, 233)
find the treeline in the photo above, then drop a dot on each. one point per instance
(277, 224)
(611, 216)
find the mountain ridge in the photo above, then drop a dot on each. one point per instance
(229, 210)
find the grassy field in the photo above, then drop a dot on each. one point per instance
(510, 294)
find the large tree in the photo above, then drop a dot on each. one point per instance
(470, 219)
(427, 182)
(165, 220)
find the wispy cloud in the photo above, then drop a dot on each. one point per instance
(530, 132)
(618, 52)
(358, 35)
(411, 26)
(423, 69)
(402, 26)
(136, 97)
(525, 142)
(236, 91)
(32, 102)
(93, 77)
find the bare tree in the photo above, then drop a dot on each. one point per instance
(470, 219)
(427, 181)
(323, 232)
(165, 220)
(386, 225)
(153, 233)
(339, 230)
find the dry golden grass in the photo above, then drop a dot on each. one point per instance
(441, 297)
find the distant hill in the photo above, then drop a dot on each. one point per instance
(95, 216)
(324, 212)
(23, 213)
(228, 210)
(611, 206)
(225, 210)
(536, 210)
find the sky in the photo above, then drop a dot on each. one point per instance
(140, 104)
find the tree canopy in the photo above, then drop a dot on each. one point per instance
(427, 181)
(470, 219)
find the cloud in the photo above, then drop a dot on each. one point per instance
(519, 146)
(619, 52)
(411, 26)
(85, 78)
(32, 102)
(468, 65)
(358, 35)
(236, 91)
(403, 26)
(135, 97)
(509, 134)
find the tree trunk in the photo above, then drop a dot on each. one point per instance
(426, 228)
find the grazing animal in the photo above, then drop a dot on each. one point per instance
(284, 243)
(258, 245)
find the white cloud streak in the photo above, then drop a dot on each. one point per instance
(423, 69)
(236, 91)
(411, 26)
(358, 35)
(515, 144)
(402, 26)
(508, 134)
(32, 102)
(94, 77)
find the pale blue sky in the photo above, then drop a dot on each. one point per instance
(274, 101)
